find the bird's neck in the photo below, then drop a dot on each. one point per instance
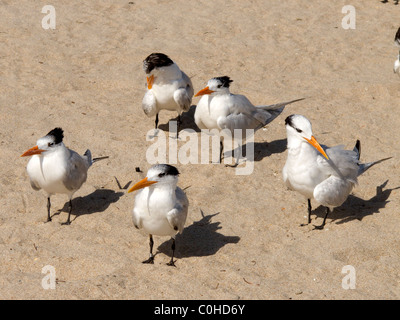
(295, 146)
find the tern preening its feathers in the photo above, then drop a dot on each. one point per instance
(397, 44)
(57, 169)
(219, 109)
(327, 175)
(161, 207)
(168, 88)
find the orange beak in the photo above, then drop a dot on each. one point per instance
(204, 91)
(32, 151)
(150, 81)
(141, 184)
(317, 146)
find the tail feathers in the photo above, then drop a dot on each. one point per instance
(88, 156)
(365, 166)
(99, 158)
(357, 149)
(278, 105)
(275, 110)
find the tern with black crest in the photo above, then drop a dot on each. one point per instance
(219, 109)
(326, 175)
(57, 169)
(161, 207)
(168, 88)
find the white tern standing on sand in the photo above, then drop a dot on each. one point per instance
(57, 169)
(219, 109)
(161, 207)
(168, 88)
(318, 172)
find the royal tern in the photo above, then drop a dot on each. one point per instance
(324, 174)
(57, 169)
(219, 109)
(397, 44)
(168, 88)
(161, 207)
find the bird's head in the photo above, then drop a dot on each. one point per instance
(215, 86)
(160, 174)
(152, 64)
(47, 143)
(299, 128)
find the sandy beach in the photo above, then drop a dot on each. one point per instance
(243, 238)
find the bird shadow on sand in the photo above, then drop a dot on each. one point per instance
(199, 239)
(187, 121)
(266, 149)
(261, 149)
(355, 208)
(97, 201)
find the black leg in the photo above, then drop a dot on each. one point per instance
(156, 121)
(178, 126)
(171, 263)
(221, 150)
(323, 222)
(309, 214)
(151, 258)
(48, 209)
(68, 222)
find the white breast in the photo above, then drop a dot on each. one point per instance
(48, 172)
(150, 211)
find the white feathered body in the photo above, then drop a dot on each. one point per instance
(309, 173)
(160, 210)
(58, 171)
(172, 90)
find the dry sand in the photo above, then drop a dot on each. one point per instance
(86, 76)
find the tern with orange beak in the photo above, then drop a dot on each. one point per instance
(161, 207)
(219, 109)
(57, 169)
(168, 88)
(324, 174)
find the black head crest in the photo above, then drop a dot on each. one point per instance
(226, 81)
(171, 170)
(288, 120)
(156, 60)
(58, 135)
(167, 170)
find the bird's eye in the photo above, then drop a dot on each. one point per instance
(50, 144)
(219, 86)
(299, 131)
(162, 174)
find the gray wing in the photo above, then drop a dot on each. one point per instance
(183, 96)
(77, 167)
(244, 115)
(34, 185)
(342, 163)
(177, 216)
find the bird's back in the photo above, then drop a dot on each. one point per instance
(77, 168)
